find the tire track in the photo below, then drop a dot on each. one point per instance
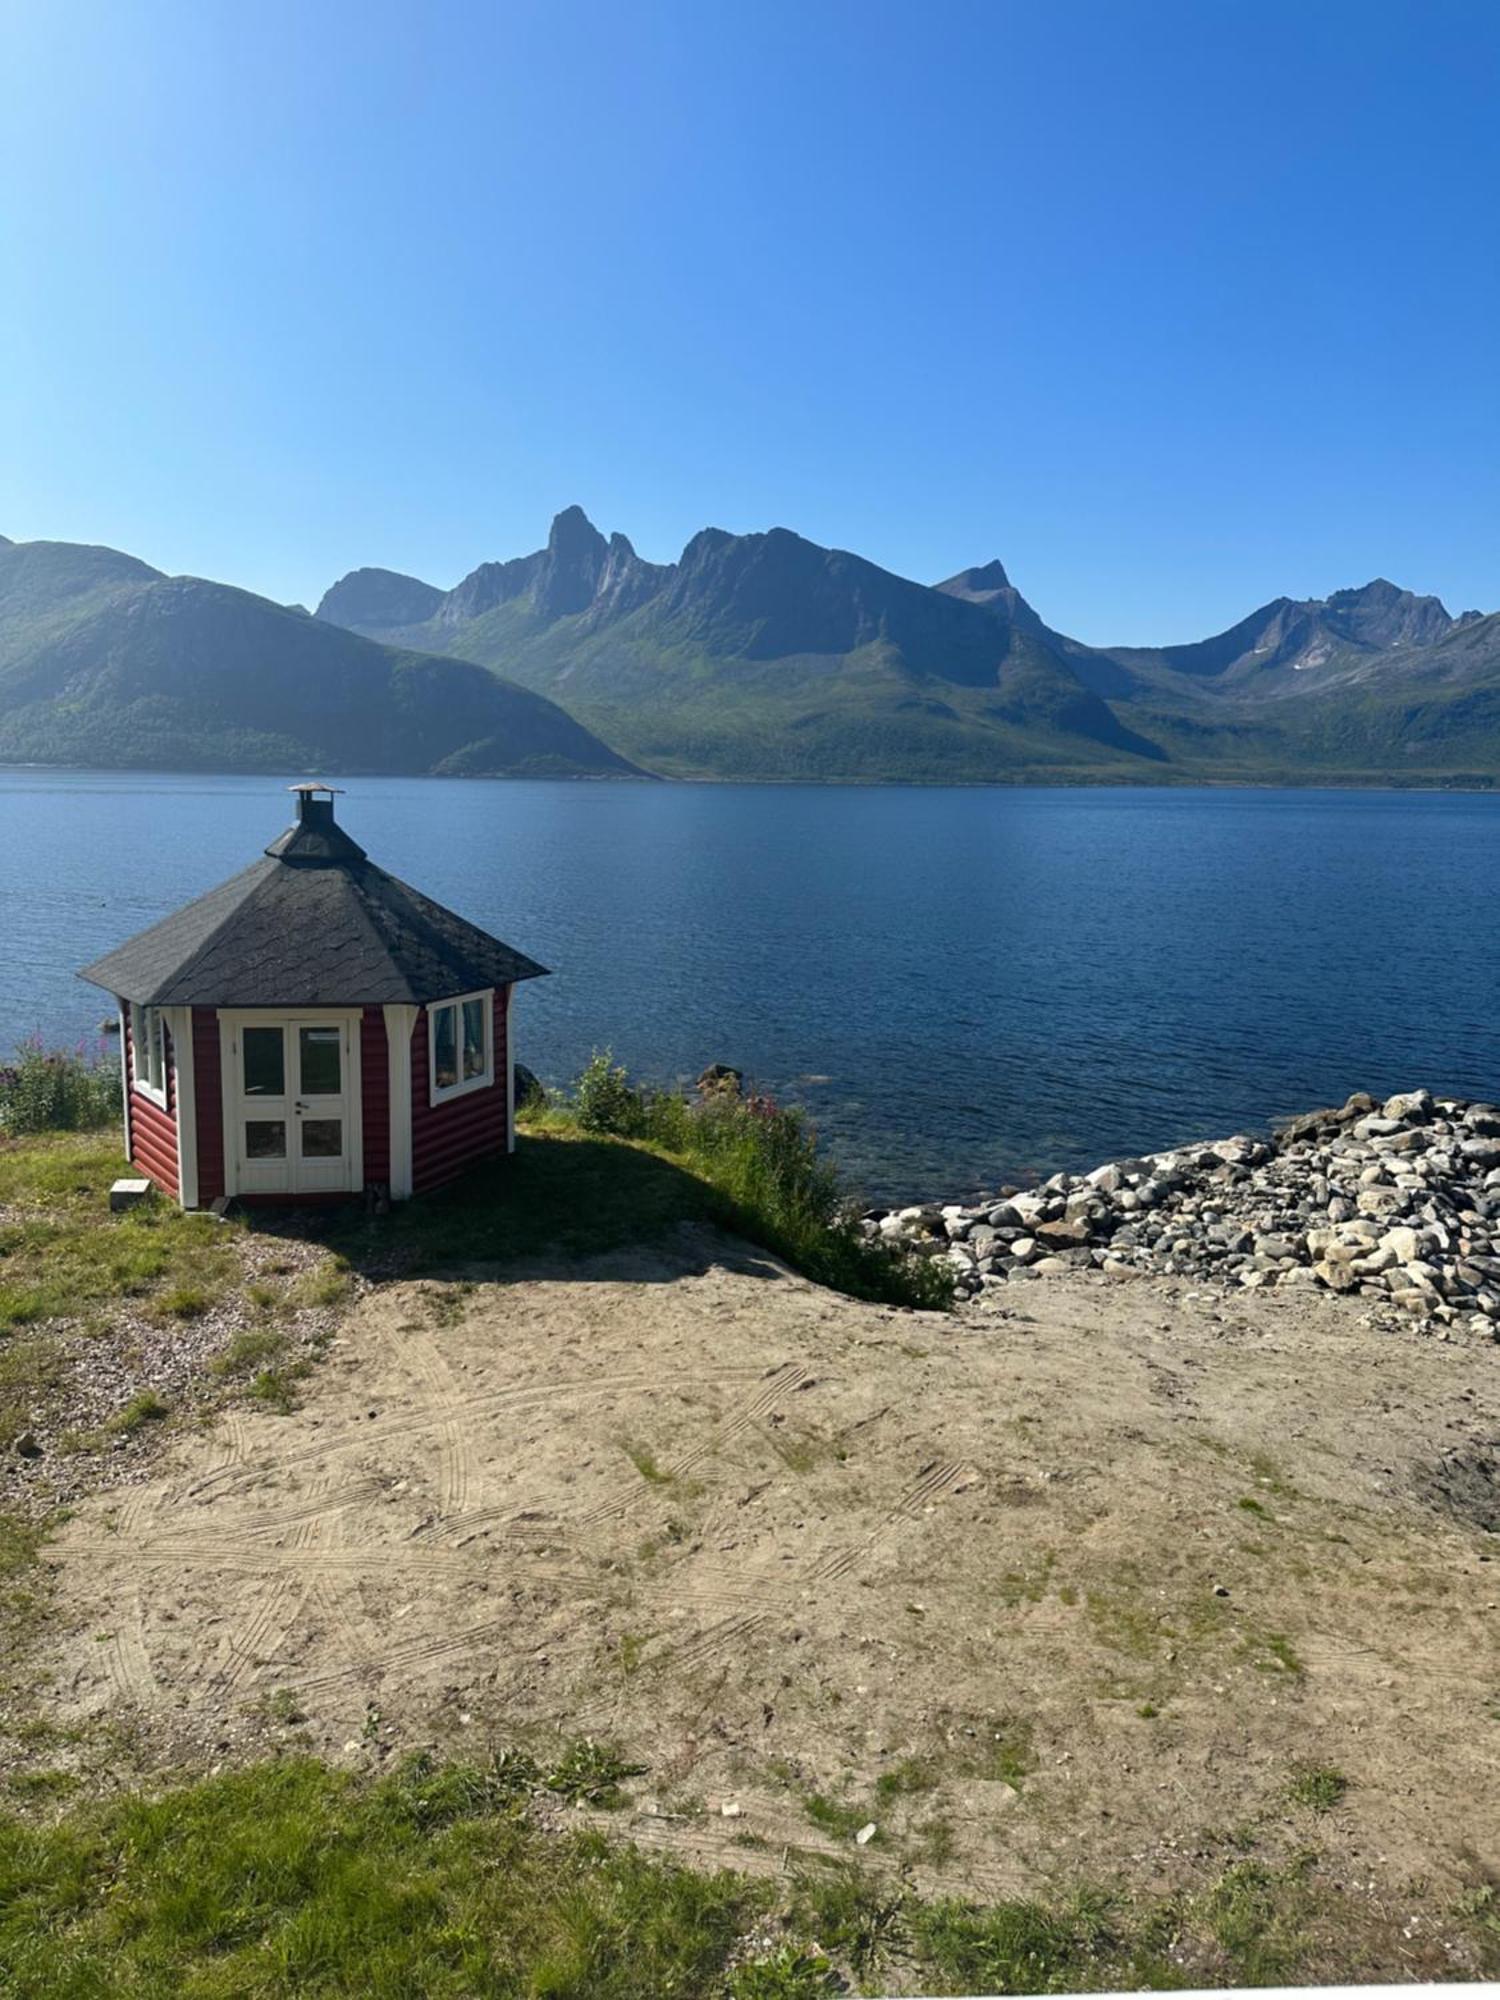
(413, 1654)
(308, 1515)
(703, 1650)
(234, 1477)
(711, 1642)
(374, 1559)
(620, 1504)
(936, 1480)
(458, 1468)
(126, 1658)
(246, 1652)
(781, 1382)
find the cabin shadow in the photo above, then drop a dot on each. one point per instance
(544, 1212)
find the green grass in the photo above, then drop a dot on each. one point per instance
(834, 1816)
(250, 1350)
(1317, 1786)
(25, 1592)
(646, 1465)
(277, 1387)
(64, 1257)
(146, 1408)
(63, 1254)
(288, 1878)
(291, 1879)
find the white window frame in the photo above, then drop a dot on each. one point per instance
(486, 1077)
(148, 1039)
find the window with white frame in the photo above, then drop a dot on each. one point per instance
(460, 1045)
(148, 1050)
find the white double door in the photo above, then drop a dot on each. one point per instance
(292, 1102)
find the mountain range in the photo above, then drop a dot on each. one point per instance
(760, 656)
(768, 656)
(106, 662)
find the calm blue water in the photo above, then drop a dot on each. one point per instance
(962, 986)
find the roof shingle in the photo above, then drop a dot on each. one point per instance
(313, 924)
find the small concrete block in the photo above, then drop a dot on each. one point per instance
(126, 1194)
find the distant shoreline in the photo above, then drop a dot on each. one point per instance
(1472, 784)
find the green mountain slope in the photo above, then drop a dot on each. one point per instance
(105, 661)
(766, 656)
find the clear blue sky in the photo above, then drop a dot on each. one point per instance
(1171, 306)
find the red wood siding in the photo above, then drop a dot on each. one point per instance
(375, 1097)
(153, 1132)
(208, 1092)
(445, 1138)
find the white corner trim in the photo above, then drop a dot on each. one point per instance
(400, 1020)
(230, 1104)
(510, 1075)
(465, 1086)
(124, 1007)
(179, 1022)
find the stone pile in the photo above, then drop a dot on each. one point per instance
(1399, 1202)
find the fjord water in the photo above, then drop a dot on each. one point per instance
(962, 986)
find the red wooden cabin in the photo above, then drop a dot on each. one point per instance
(313, 1028)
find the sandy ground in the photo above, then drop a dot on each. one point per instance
(1086, 1579)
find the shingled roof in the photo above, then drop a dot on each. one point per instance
(313, 924)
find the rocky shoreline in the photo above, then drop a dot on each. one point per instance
(1397, 1202)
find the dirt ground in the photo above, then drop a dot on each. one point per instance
(1069, 1591)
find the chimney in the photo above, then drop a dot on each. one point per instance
(315, 803)
(315, 841)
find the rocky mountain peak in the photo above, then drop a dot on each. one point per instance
(574, 534)
(979, 581)
(567, 578)
(1381, 613)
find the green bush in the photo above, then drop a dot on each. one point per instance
(605, 1102)
(762, 1158)
(58, 1090)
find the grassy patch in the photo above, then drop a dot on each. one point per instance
(1017, 1947)
(792, 1973)
(289, 1879)
(910, 1776)
(64, 1256)
(591, 1774)
(146, 1408)
(1276, 1653)
(646, 1465)
(66, 1262)
(834, 1816)
(861, 1922)
(252, 1349)
(1317, 1786)
(1258, 1915)
(189, 1301)
(327, 1284)
(277, 1387)
(24, 1585)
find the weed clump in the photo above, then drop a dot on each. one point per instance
(1317, 1786)
(58, 1090)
